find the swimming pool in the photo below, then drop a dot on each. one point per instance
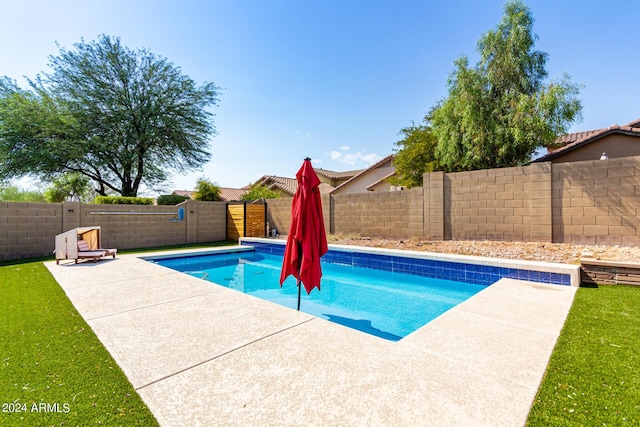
(470, 269)
(386, 304)
(448, 267)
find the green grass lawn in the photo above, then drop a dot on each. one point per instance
(54, 371)
(593, 377)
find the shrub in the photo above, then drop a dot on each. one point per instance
(260, 192)
(122, 200)
(171, 199)
(206, 191)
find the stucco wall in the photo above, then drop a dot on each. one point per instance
(615, 145)
(360, 183)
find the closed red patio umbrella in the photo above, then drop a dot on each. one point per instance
(307, 241)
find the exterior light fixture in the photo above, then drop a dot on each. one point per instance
(604, 156)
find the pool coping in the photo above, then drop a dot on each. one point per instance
(548, 267)
(201, 354)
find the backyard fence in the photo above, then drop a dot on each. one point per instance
(246, 220)
(589, 202)
(29, 229)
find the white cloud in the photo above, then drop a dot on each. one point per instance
(371, 158)
(351, 159)
(355, 159)
(345, 148)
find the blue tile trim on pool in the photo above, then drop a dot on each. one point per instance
(458, 271)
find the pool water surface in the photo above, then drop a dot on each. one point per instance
(386, 304)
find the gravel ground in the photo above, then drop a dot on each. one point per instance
(548, 252)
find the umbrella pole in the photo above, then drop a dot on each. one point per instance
(299, 269)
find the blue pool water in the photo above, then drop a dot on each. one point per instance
(386, 304)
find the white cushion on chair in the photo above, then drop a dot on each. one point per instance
(83, 246)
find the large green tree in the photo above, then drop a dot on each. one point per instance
(206, 191)
(72, 187)
(259, 191)
(118, 116)
(13, 193)
(415, 155)
(498, 112)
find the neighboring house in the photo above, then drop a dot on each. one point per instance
(183, 193)
(362, 180)
(615, 141)
(335, 179)
(232, 194)
(286, 187)
(329, 180)
(374, 178)
(226, 194)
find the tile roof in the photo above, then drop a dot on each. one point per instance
(287, 185)
(337, 175)
(325, 188)
(284, 184)
(578, 136)
(590, 136)
(231, 194)
(634, 124)
(183, 193)
(226, 194)
(573, 137)
(363, 171)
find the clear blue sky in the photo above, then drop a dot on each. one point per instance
(332, 80)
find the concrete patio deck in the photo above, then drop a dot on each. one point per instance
(202, 354)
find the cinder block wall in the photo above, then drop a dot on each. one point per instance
(416, 214)
(597, 202)
(279, 213)
(433, 205)
(509, 204)
(326, 212)
(28, 229)
(211, 221)
(392, 214)
(135, 226)
(590, 202)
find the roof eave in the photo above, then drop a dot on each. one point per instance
(575, 145)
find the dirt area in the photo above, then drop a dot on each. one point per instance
(547, 252)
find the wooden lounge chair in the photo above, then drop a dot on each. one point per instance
(85, 251)
(94, 255)
(79, 243)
